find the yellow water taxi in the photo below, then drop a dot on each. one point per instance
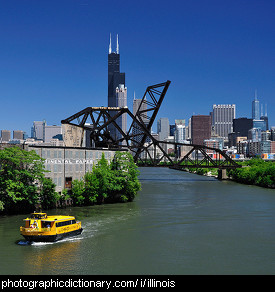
(41, 227)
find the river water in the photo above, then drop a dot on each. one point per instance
(180, 223)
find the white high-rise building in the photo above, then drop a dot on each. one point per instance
(222, 119)
(255, 108)
(180, 134)
(121, 101)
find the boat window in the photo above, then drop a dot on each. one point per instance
(45, 224)
(38, 216)
(64, 223)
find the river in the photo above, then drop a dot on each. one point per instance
(180, 223)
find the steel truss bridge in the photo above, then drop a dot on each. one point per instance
(146, 149)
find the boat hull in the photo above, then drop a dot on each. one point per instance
(52, 238)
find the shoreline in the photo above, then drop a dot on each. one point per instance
(209, 174)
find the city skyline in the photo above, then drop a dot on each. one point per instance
(54, 57)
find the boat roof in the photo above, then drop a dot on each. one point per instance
(44, 217)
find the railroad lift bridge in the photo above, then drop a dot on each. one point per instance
(100, 122)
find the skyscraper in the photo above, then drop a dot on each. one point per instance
(200, 128)
(6, 135)
(137, 131)
(18, 135)
(163, 128)
(242, 126)
(38, 130)
(180, 136)
(222, 119)
(115, 79)
(121, 100)
(255, 108)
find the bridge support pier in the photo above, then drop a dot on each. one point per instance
(222, 174)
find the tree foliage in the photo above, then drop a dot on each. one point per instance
(114, 182)
(22, 180)
(255, 172)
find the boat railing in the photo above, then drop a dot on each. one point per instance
(31, 229)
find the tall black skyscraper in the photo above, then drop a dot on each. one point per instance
(115, 78)
(116, 81)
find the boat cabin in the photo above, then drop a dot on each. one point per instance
(38, 216)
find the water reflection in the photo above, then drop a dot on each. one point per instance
(53, 258)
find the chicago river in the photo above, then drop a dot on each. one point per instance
(180, 223)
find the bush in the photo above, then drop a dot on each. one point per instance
(255, 172)
(108, 183)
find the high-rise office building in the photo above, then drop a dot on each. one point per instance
(260, 120)
(37, 130)
(121, 97)
(222, 119)
(18, 135)
(114, 76)
(260, 124)
(5, 135)
(41, 131)
(163, 128)
(50, 132)
(242, 126)
(200, 128)
(255, 108)
(115, 79)
(137, 131)
(264, 116)
(180, 133)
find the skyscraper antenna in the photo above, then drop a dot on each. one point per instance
(266, 110)
(117, 47)
(110, 45)
(255, 94)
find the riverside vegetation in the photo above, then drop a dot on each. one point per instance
(254, 172)
(23, 184)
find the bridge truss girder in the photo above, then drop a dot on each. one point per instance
(146, 149)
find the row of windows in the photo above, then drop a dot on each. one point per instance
(65, 223)
(58, 168)
(74, 154)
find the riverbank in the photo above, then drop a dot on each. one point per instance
(253, 172)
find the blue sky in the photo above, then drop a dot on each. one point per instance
(53, 55)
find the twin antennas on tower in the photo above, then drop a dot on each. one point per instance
(110, 45)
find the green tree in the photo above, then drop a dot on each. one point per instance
(255, 172)
(48, 195)
(126, 174)
(21, 179)
(117, 181)
(78, 192)
(97, 182)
